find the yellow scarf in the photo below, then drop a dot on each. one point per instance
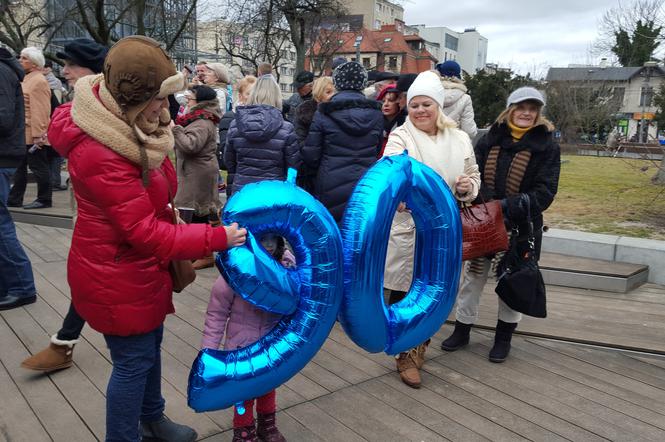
(517, 132)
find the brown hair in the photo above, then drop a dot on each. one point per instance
(507, 115)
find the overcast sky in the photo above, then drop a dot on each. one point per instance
(525, 35)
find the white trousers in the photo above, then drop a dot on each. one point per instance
(469, 297)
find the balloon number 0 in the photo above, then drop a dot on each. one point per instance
(336, 274)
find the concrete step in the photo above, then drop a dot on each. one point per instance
(594, 274)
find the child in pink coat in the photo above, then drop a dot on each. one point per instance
(245, 324)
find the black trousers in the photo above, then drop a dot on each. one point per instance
(71, 325)
(395, 296)
(38, 162)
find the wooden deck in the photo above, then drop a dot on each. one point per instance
(547, 390)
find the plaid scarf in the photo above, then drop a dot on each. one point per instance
(197, 114)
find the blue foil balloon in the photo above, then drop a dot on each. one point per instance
(438, 256)
(220, 378)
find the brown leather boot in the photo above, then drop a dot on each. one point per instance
(419, 357)
(56, 356)
(408, 369)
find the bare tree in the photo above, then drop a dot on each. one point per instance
(302, 17)
(23, 22)
(253, 32)
(583, 108)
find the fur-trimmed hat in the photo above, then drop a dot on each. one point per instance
(137, 70)
(350, 76)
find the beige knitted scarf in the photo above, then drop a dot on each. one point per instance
(145, 144)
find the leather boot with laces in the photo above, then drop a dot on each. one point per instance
(245, 434)
(420, 354)
(408, 369)
(266, 430)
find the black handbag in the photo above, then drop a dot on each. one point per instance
(521, 284)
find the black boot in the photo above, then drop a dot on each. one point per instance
(459, 338)
(164, 430)
(501, 348)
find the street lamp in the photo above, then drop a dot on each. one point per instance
(356, 45)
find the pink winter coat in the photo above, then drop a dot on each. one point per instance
(246, 323)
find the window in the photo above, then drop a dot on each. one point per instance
(392, 63)
(451, 42)
(646, 96)
(366, 62)
(283, 71)
(284, 87)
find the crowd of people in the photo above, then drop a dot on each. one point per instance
(129, 108)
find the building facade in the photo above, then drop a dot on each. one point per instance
(468, 48)
(387, 49)
(633, 89)
(376, 13)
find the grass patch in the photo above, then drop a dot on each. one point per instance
(609, 195)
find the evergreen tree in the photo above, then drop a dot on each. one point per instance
(638, 48)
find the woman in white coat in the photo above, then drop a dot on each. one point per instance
(457, 103)
(433, 139)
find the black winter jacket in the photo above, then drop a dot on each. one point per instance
(260, 146)
(541, 178)
(343, 142)
(12, 111)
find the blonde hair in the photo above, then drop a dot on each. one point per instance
(220, 71)
(34, 55)
(442, 121)
(507, 115)
(319, 87)
(244, 83)
(266, 91)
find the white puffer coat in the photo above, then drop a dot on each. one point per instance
(457, 105)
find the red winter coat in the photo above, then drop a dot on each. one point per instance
(124, 238)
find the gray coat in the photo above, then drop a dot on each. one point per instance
(196, 163)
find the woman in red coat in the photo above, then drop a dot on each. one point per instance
(116, 137)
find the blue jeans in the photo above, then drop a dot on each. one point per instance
(16, 276)
(134, 393)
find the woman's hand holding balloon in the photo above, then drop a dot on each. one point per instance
(235, 236)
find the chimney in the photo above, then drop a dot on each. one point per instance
(603, 63)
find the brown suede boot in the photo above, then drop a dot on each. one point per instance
(56, 356)
(266, 429)
(408, 368)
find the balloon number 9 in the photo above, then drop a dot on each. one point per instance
(331, 279)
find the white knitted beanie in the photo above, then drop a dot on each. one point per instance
(427, 84)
